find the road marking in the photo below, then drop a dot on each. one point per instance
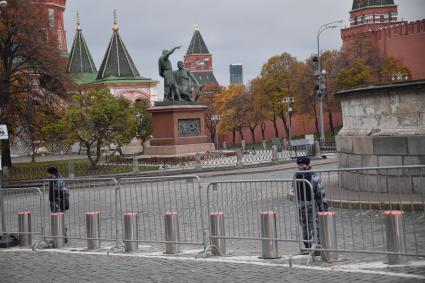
(252, 260)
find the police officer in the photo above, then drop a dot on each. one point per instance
(310, 200)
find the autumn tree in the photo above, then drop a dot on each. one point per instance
(144, 120)
(278, 76)
(96, 120)
(31, 69)
(359, 74)
(231, 104)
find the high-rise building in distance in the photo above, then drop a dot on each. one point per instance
(236, 74)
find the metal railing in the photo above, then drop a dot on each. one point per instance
(361, 197)
(152, 198)
(242, 202)
(87, 196)
(16, 201)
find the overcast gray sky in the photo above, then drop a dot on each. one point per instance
(235, 31)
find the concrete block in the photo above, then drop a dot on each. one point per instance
(390, 145)
(363, 145)
(342, 160)
(382, 105)
(416, 145)
(345, 144)
(414, 160)
(390, 161)
(354, 160)
(369, 161)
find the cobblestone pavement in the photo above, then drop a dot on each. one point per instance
(27, 266)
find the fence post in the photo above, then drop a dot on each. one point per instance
(395, 236)
(224, 145)
(3, 219)
(217, 230)
(131, 232)
(264, 145)
(135, 165)
(57, 223)
(328, 240)
(317, 152)
(243, 145)
(71, 169)
(171, 232)
(24, 228)
(198, 161)
(93, 230)
(239, 162)
(269, 248)
(274, 153)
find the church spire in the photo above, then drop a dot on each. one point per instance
(80, 59)
(117, 61)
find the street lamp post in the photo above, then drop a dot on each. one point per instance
(289, 100)
(216, 119)
(320, 76)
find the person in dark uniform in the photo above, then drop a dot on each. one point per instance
(310, 200)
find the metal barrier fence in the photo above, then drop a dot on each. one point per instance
(244, 202)
(22, 201)
(87, 196)
(152, 199)
(363, 197)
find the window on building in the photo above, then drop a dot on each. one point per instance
(389, 16)
(355, 20)
(363, 19)
(60, 40)
(381, 18)
(51, 18)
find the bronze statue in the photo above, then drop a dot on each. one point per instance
(171, 90)
(186, 82)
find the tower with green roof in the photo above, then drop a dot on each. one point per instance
(118, 73)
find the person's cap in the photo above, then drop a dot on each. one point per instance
(52, 170)
(303, 160)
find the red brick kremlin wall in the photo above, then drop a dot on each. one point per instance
(301, 125)
(402, 40)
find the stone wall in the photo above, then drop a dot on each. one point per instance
(382, 126)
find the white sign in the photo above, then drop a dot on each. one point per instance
(4, 135)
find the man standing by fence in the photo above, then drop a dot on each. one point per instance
(58, 193)
(310, 201)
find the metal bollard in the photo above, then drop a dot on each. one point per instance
(268, 230)
(93, 230)
(131, 232)
(57, 224)
(395, 236)
(264, 145)
(328, 240)
(217, 230)
(171, 232)
(24, 228)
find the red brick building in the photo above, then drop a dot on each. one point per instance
(378, 20)
(55, 10)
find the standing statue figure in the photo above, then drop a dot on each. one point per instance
(186, 82)
(171, 91)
